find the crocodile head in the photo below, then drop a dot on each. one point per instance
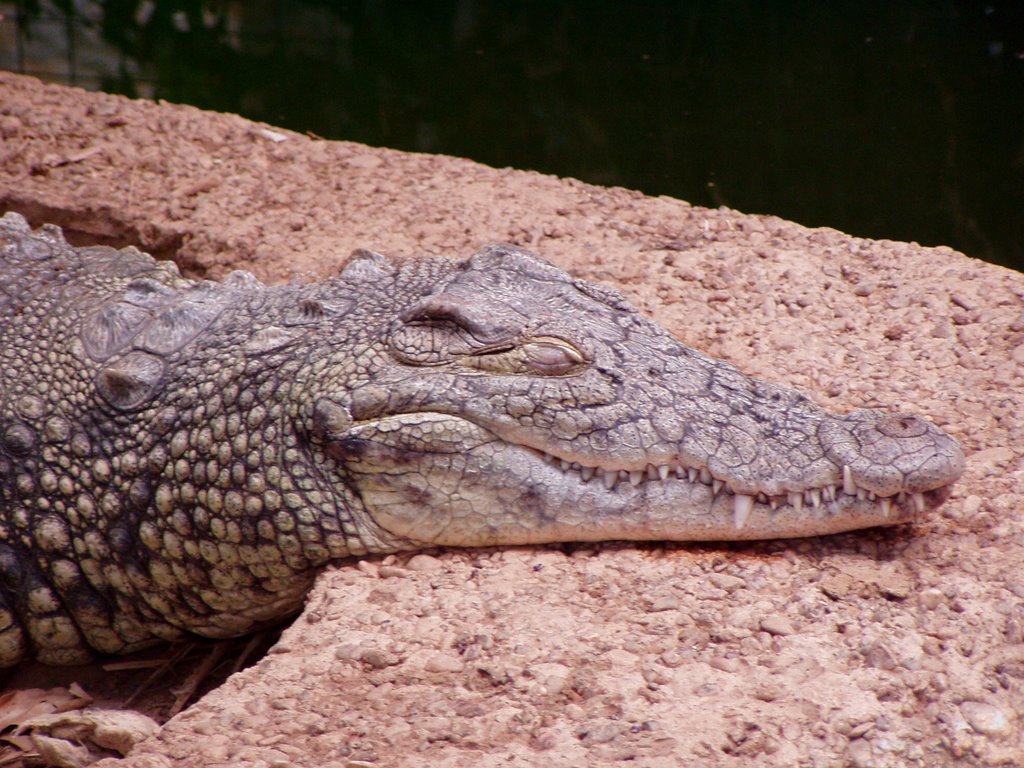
(509, 403)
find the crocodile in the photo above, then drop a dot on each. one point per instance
(181, 457)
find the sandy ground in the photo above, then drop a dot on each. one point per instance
(897, 648)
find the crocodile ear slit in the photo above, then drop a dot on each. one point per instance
(433, 309)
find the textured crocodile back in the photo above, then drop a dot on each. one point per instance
(48, 292)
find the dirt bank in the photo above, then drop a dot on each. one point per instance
(877, 649)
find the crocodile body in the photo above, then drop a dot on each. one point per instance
(181, 457)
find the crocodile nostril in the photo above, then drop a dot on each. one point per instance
(902, 425)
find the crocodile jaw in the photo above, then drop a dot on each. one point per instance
(436, 479)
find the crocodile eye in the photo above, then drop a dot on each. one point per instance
(553, 358)
(546, 357)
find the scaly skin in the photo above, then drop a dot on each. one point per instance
(180, 457)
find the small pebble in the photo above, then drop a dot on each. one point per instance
(767, 692)
(601, 733)
(424, 563)
(860, 754)
(932, 598)
(672, 659)
(865, 289)
(443, 663)
(370, 569)
(379, 659)
(725, 664)
(971, 504)
(963, 302)
(985, 718)
(777, 625)
(273, 136)
(991, 457)
(667, 603)
(726, 581)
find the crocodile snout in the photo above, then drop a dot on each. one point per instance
(887, 454)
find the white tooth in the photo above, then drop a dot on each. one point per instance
(862, 494)
(902, 497)
(741, 512)
(548, 456)
(886, 506)
(623, 474)
(610, 478)
(716, 486)
(586, 473)
(919, 502)
(774, 501)
(681, 472)
(762, 498)
(830, 492)
(871, 496)
(692, 475)
(815, 495)
(577, 466)
(636, 477)
(705, 476)
(663, 472)
(849, 486)
(566, 465)
(796, 499)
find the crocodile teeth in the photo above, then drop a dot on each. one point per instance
(743, 502)
(610, 478)
(741, 512)
(849, 486)
(919, 503)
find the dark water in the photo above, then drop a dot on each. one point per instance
(901, 120)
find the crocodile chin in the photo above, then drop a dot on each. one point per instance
(441, 479)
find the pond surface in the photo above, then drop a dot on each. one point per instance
(900, 120)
